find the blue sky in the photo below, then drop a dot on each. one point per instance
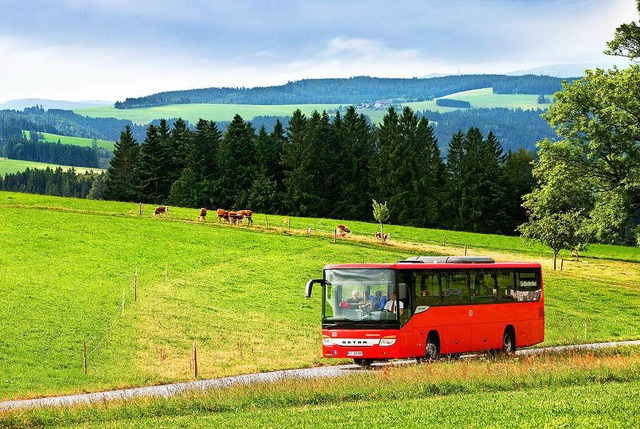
(113, 49)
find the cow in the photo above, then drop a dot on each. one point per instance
(247, 214)
(164, 210)
(343, 231)
(223, 215)
(203, 214)
(382, 237)
(234, 217)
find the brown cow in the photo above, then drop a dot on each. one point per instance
(203, 214)
(247, 214)
(343, 231)
(381, 237)
(223, 215)
(164, 210)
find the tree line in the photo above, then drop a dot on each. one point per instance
(356, 90)
(56, 182)
(328, 166)
(51, 153)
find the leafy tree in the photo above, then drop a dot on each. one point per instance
(598, 118)
(557, 230)
(559, 200)
(380, 214)
(626, 42)
(120, 182)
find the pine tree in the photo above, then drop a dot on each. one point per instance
(121, 181)
(356, 153)
(236, 160)
(150, 168)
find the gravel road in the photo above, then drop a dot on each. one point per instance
(266, 377)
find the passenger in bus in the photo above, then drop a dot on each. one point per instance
(355, 297)
(378, 301)
(423, 298)
(393, 304)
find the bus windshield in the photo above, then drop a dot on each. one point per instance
(359, 297)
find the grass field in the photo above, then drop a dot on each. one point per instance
(76, 141)
(579, 389)
(68, 265)
(194, 112)
(224, 112)
(16, 165)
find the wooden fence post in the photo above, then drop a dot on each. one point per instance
(195, 361)
(140, 209)
(465, 250)
(266, 222)
(135, 285)
(84, 357)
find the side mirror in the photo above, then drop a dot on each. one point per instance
(307, 292)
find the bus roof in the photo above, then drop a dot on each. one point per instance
(439, 262)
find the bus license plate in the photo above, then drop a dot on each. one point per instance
(355, 353)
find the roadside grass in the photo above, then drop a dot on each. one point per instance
(598, 388)
(236, 291)
(8, 166)
(75, 141)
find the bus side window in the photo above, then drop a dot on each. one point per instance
(506, 286)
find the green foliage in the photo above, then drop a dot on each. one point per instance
(598, 118)
(626, 42)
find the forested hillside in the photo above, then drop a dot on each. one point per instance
(63, 122)
(323, 166)
(354, 91)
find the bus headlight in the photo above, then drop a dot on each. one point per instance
(326, 341)
(387, 341)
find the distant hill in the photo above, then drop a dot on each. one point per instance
(354, 91)
(566, 70)
(51, 104)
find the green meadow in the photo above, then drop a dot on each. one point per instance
(16, 165)
(193, 112)
(68, 269)
(479, 98)
(76, 141)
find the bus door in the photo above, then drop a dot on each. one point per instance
(456, 314)
(485, 326)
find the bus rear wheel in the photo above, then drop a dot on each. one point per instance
(432, 351)
(508, 342)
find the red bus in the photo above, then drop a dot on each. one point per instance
(425, 306)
